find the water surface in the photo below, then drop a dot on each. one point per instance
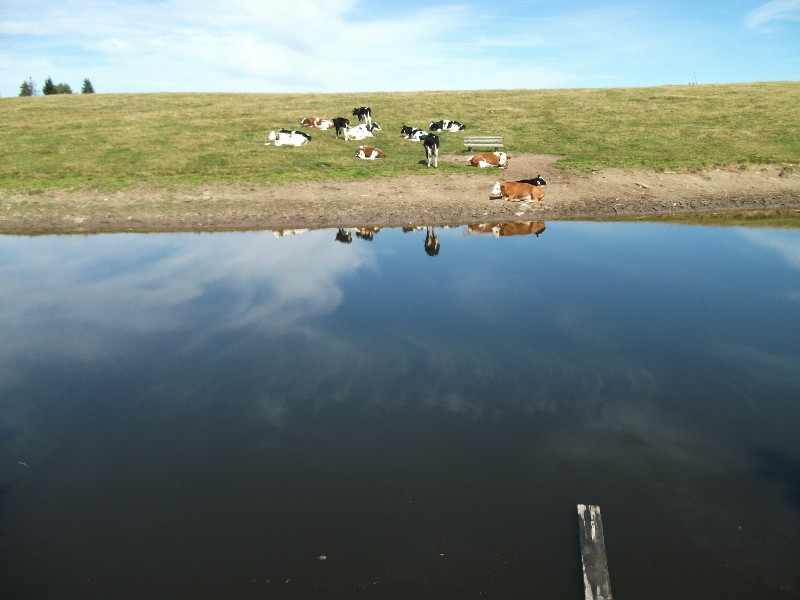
(245, 415)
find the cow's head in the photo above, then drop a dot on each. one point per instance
(538, 180)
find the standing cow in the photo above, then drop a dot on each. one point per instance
(341, 124)
(431, 143)
(364, 114)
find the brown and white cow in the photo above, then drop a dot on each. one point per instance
(369, 153)
(317, 123)
(489, 159)
(516, 190)
(507, 229)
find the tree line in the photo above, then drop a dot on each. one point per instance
(29, 88)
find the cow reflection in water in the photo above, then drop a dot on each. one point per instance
(344, 236)
(506, 229)
(431, 238)
(431, 241)
(365, 233)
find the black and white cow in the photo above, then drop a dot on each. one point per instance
(364, 114)
(445, 125)
(359, 132)
(538, 180)
(286, 137)
(340, 124)
(412, 133)
(431, 143)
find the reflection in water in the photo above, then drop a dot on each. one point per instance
(431, 241)
(505, 229)
(344, 236)
(431, 245)
(207, 415)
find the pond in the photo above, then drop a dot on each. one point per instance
(400, 414)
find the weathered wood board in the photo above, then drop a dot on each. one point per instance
(596, 583)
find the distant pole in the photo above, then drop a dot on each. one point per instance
(596, 584)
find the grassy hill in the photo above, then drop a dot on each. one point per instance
(113, 141)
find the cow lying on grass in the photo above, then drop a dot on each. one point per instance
(359, 132)
(517, 190)
(489, 159)
(412, 133)
(369, 153)
(285, 137)
(445, 125)
(317, 123)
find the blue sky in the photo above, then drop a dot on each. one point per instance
(374, 45)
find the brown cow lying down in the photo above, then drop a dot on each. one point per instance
(515, 190)
(489, 159)
(317, 123)
(369, 153)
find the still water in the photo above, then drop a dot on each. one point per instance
(242, 415)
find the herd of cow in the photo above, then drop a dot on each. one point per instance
(506, 190)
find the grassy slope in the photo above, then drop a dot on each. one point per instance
(111, 141)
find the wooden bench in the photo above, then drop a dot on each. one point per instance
(488, 141)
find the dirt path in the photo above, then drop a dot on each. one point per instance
(431, 198)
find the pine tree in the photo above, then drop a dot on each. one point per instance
(87, 87)
(49, 87)
(28, 87)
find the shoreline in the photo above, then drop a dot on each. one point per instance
(427, 199)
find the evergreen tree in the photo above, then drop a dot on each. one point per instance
(87, 87)
(28, 87)
(49, 87)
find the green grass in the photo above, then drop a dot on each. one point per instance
(111, 141)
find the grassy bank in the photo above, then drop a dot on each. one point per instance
(112, 141)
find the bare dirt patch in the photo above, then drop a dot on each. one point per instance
(429, 198)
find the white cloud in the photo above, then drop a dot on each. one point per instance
(774, 11)
(785, 243)
(350, 46)
(272, 284)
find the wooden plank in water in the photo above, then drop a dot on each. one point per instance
(596, 584)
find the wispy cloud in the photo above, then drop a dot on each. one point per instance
(773, 12)
(364, 45)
